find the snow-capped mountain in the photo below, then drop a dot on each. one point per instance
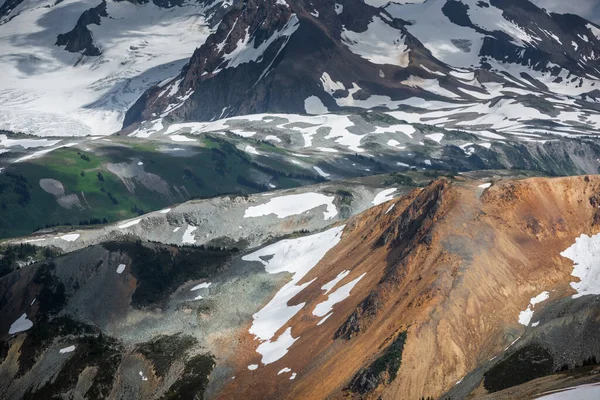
(89, 67)
(499, 65)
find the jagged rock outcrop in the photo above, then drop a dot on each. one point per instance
(80, 39)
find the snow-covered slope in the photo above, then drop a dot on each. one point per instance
(492, 65)
(78, 67)
(47, 89)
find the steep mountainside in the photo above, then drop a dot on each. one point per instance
(474, 57)
(298, 199)
(458, 287)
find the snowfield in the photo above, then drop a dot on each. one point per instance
(380, 44)
(526, 315)
(20, 325)
(383, 196)
(68, 349)
(296, 256)
(48, 91)
(294, 204)
(338, 296)
(582, 392)
(585, 253)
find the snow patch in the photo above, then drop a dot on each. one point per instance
(336, 297)
(321, 172)
(313, 105)
(121, 268)
(585, 253)
(295, 204)
(380, 44)
(297, 256)
(526, 315)
(188, 235)
(20, 325)
(203, 285)
(68, 349)
(331, 284)
(251, 150)
(581, 392)
(71, 237)
(383, 196)
(130, 223)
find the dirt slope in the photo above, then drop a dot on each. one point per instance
(451, 265)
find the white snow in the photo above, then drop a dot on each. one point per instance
(336, 297)
(165, 211)
(284, 370)
(383, 196)
(327, 150)
(295, 204)
(339, 8)
(203, 285)
(20, 325)
(585, 253)
(67, 349)
(252, 367)
(130, 223)
(251, 150)
(331, 284)
(430, 85)
(380, 44)
(436, 137)
(71, 237)
(391, 208)
(321, 172)
(26, 143)
(121, 268)
(293, 376)
(181, 138)
(273, 138)
(396, 144)
(245, 51)
(485, 185)
(581, 392)
(526, 315)
(408, 130)
(313, 105)
(144, 378)
(322, 320)
(272, 351)
(47, 91)
(296, 256)
(188, 235)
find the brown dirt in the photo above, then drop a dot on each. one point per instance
(451, 265)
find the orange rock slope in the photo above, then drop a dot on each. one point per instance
(452, 265)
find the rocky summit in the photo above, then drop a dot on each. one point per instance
(294, 199)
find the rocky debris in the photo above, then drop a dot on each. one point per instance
(409, 231)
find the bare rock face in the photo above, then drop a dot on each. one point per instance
(271, 56)
(80, 39)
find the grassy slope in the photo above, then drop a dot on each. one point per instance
(215, 169)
